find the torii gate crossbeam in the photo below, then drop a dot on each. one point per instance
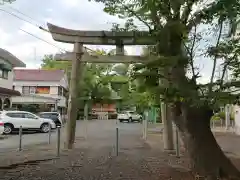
(78, 38)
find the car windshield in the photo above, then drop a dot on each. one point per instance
(122, 112)
(130, 112)
(126, 112)
(49, 115)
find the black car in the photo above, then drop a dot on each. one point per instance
(55, 116)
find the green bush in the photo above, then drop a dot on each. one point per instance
(215, 118)
(221, 115)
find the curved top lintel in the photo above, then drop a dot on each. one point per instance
(71, 32)
(98, 37)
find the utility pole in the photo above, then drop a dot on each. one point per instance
(119, 39)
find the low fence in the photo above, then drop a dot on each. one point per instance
(48, 140)
(221, 123)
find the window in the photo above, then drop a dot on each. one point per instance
(14, 115)
(43, 90)
(32, 90)
(64, 92)
(44, 116)
(28, 89)
(4, 73)
(29, 116)
(25, 90)
(60, 91)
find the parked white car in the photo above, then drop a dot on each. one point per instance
(14, 119)
(129, 116)
(1, 127)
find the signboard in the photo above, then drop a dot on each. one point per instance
(43, 90)
(104, 108)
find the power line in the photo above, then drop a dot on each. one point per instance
(43, 40)
(46, 30)
(31, 33)
(36, 25)
(40, 27)
(12, 14)
(14, 9)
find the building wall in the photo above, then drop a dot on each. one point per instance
(18, 85)
(6, 83)
(30, 99)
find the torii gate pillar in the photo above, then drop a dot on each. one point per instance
(76, 72)
(77, 67)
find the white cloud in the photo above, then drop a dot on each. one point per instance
(70, 14)
(76, 14)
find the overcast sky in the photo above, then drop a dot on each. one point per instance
(76, 14)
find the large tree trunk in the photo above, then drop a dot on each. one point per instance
(192, 120)
(207, 158)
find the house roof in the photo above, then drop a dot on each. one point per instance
(9, 92)
(38, 75)
(11, 58)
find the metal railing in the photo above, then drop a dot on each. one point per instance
(58, 145)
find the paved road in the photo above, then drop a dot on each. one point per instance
(93, 158)
(101, 129)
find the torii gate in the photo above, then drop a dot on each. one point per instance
(78, 56)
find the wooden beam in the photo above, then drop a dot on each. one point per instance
(110, 34)
(100, 37)
(104, 58)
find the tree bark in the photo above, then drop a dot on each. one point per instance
(193, 118)
(207, 159)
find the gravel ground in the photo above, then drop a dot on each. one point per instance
(139, 163)
(95, 158)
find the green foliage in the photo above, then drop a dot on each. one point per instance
(95, 77)
(7, 1)
(100, 81)
(221, 116)
(172, 25)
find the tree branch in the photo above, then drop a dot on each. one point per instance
(198, 16)
(187, 10)
(190, 52)
(215, 57)
(226, 64)
(136, 15)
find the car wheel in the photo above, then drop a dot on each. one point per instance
(45, 128)
(130, 119)
(8, 129)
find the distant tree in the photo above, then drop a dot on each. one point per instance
(95, 80)
(6, 1)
